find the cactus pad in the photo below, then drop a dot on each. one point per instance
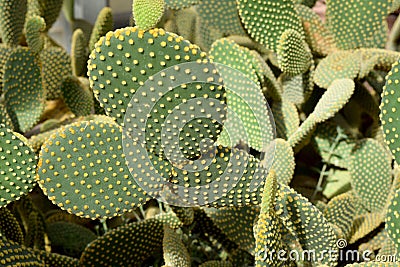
(104, 23)
(294, 57)
(91, 180)
(56, 64)
(180, 4)
(9, 226)
(286, 117)
(393, 220)
(263, 25)
(389, 116)
(147, 13)
(139, 239)
(370, 170)
(221, 15)
(18, 165)
(347, 21)
(79, 99)
(175, 252)
(22, 85)
(13, 19)
(34, 27)
(13, 254)
(54, 259)
(338, 65)
(79, 53)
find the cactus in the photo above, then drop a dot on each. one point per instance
(78, 99)
(12, 22)
(147, 13)
(104, 23)
(13, 254)
(181, 4)
(9, 226)
(175, 252)
(79, 53)
(35, 25)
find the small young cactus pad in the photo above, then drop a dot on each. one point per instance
(12, 14)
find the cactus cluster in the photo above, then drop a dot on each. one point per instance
(206, 133)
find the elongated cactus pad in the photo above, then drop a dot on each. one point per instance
(294, 56)
(262, 24)
(90, 179)
(175, 252)
(17, 166)
(22, 85)
(54, 259)
(389, 115)
(216, 264)
(283, 160)
(147, 13)
(50, 11)
(79, 53)
(370, 169)
(347, 21)
(104, 23)
(13, 19)
(338, 65)
(364, 224)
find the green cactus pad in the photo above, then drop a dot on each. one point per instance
(104, 23)
(389, 116)
(334, 144)
(338, 65)
(262, 23)
(221, 15)
(371, 174)
(34, 27)
(50, 11)
(54, 259)
(319, 39)
(376, 242)
(175, 252)
(79, 99)
(248, 116)
(13, 19)
(393, 220)
(302, 135)
(68, 238)
(293, 89)
(17, 166)
(34, 237)
(267, 233)
(341, 211)
(378, 59)
(284, 161)
(79, 53)
(347, 21)
(56, 65)
(116, 74)
(5, 52)
(373, 264)
(82, 169)
(185, 215)
(237, 224)
(336, 96)
(180, 4)
(364, 224)
(5, 118)
(306, 222)
(147, 13)
(139, 239)
(294, 57)
(286, 117)
(10, 227)
(186, 23)
(216, 264)
(13, 254)
(22, 86)
(388, 247)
